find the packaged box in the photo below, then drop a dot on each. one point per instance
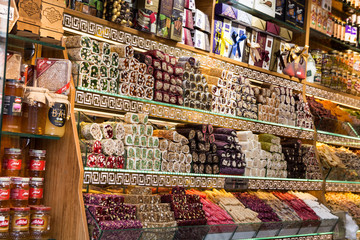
(238, 35)
(247, 3)
(300, 15)
(164, 18)
(187, 39)
(30, 11)
(265, 6)
(258, 23)
(253, 41)
(313, 15)
(326, 5)
(275, 52)
(199, 20)
(218, 24)
(246, 51)
(226, 32)
(226, 11)
(319, 18)
(207, 24)
(324, 20)
(152, 5)
(176, 20)
(280, 10)
(188, 21)
(286, 34)
(244, 18)
(290, 16)
(272, 29)
(190, 4)
(261, 40)
(267, 54)
(52, 17)
(201, 40)
(282, 48)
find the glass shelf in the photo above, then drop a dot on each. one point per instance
(263, 16)
(193, 109)
(16, 41)
(340, 135)
(337, 44)
(26, 135)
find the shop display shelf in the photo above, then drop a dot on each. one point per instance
(27, 135)
(114, 33)
(337, 44)
(267, 230)
(116, 103)
(104, 176)
(16, 41)
(263, 16)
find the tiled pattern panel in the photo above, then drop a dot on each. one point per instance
(320, 237)
(342, 187)
(338, 140)
(284, 185)
(117, 104)
(105, 32)
(151, 180)
(332, 96)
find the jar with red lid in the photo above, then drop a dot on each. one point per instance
(19, 193)
(39, 222)
(36, 164)
(4, 192)
(4, 223)
(11, 165)
(20, 223)
(36, 190)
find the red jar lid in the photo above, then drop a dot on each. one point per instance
(40, 208)
(20, 209)
(4, 209)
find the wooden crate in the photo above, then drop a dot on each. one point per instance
(27, 30)
(50, 36)
(52, 17)
(30, 11)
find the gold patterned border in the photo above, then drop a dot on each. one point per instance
(336, 97)
(319, 237)
(342, 187)
(108, 103)
(284, 185)
(98, 30)
(337, 140)
(151, 180)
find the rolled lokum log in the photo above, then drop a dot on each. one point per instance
(222, 145)
(108, 146)
(156, 54)
(187, 132)
(77, 42)
(168, 134)
(224, 137)
(91, 146)
(91, 131)
(227, 131)
(119, 148)
(124, 51)
(79, 54)
(107, 130)
(131, 118)
(104, 48)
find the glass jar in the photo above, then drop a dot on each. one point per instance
(20, 223)
(334, 77)
(11, 165)
(36, 190)
(19, 193)
(4, 223)
(325, 78)
(12, 109)
(34, 111)
(36, 163)
(40, 222)
(4, 192)
(57, 115)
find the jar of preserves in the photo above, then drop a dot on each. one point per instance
(4, 223)
(334, 76)
(34, 110)
(11, 165)
(325, 78)
(20, 223)
(4, 192)
(12, 109)
(40, 222)
(57, 115)
(19, 193)
(36, 189)
(36, 163)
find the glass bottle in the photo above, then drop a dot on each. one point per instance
(19, 193)
(4, 223)
(57, 115)
(12, 109)
(40, 222)
(36, 190)
(36, 163)
(4, 192)
(12, 160)
(20, 223)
